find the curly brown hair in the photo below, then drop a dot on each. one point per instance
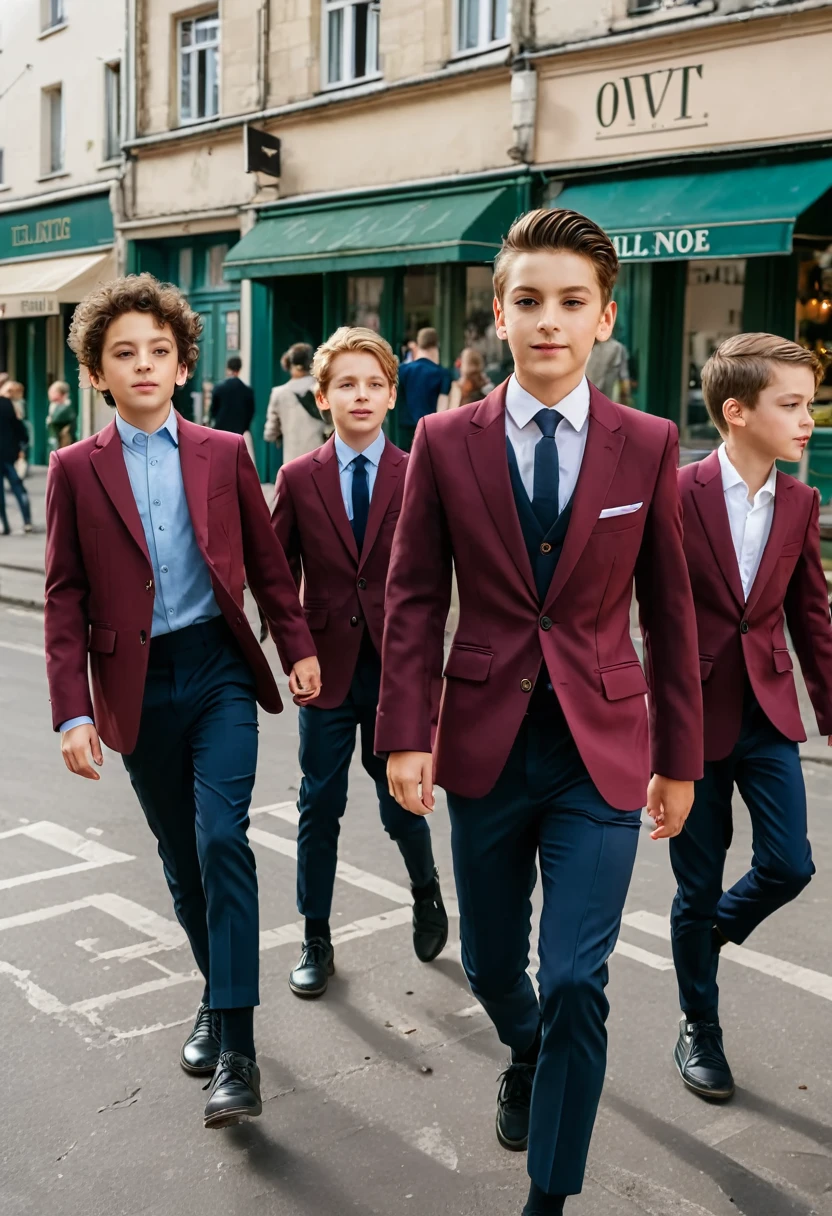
(133, 293)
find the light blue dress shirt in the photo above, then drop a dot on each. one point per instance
(346, 455)
(184, 595)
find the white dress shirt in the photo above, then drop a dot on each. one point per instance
(750, 520)
(346, 455)
(570, 436)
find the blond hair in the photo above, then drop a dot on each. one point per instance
(742, 366)
(555, 230)
(346, 340)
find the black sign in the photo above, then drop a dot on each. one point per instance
(262, 152)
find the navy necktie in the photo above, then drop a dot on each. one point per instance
(360, 499)
(546, 470)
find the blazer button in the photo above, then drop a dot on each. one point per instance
(744, 627)
(353, 620)
(149, 585)
(526, 685)
(362, 584)
(546, 623)
(545, 547)
(143, 638)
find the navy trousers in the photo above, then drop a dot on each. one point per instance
(193, 771)
(545, 809)
(9, 473)
(327, 743)
(765, 767)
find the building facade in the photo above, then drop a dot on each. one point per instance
(61, 107)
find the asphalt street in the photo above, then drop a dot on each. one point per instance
(380, 1098)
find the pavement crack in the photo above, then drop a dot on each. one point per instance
(130, 1100)
(67, 1151)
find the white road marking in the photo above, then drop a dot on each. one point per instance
(23, 648)
(90, 853)
(94, 832)
(798, 977)
(37, 612)
(471, 1011)
(95, 1003)
(432, 1142)
(37, 997)
(657, 961)
(271, 807)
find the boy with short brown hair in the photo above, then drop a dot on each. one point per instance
(335, 514)
(753, 550)
(152, 527)
(547, 500)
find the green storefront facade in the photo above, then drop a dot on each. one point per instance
(50, 257)
(394, 261)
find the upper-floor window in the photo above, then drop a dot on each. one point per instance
(350, 40)
(2, 177)
(52, 108)
(481, 23)
(199, 82)
(52, 12)
(112, 110)
(635, 7)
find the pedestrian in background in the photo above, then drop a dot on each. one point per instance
(609, 370)
(232, 404)
(292, 413)
(424, 385)
(61, 417)
(14, 442)
(473, 384)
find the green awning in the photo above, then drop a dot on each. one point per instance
(451, 226)
(733, 213)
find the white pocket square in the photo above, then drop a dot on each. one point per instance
(609, 512)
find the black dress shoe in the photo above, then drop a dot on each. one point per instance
(513, 1104)
(201, 1049)
(701, 1061)
(235, 1090)
(317, 963)
(430, 921)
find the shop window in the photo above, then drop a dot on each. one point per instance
(52, 109)
(713, 312)
(364, 294)
(420, 308)
(199, 84)
(480, 330)
(186, 268)
(52, 13)
(112, 110)
(215, 271)
(481, 24)
(814, 325)
(350, 38)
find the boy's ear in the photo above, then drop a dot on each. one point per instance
(97, 381)
(182, 374)
(733, 412)
(499, 320)
(607, 322)
(323, 404)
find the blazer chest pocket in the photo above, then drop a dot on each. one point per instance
(706, 664)
(624, 680)
(469, 663)
(782, 661)
(102, 640)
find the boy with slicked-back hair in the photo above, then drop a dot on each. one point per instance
(549, 501)
(752, 545)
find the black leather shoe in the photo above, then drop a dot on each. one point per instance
(201, 1050)
(317, 963)
(701, 1061)
(513, 1104)
(235, 1090)
(430, 922)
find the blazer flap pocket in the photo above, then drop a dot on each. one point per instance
(705, 667)
(793, 550)
(102, 640)
(316, 617)
(783, 661)
(625, 680)
(468, 663)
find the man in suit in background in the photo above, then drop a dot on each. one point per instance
(232, 402)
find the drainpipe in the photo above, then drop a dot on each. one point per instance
(523, 83)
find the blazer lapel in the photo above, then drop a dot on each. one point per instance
(327, 478)
(195, 463)
(709, 500)
(107, 459)
(780, 526)
(487, 453)
(390, 469)
(601, 456)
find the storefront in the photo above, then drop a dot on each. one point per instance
(50, 257)
(394, 262)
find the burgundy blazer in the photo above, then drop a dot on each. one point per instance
(99, 578)
(736, 637)
(340, 590)
(458, 503)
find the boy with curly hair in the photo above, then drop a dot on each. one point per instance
(153, 525)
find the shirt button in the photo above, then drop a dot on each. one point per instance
(545, 547)
(154, 462)
(170, 612)
(149, 585)
(744, 627)
(164, 569)
(157, 502)
(353, 620)
(546, 622)
(161, 527)
(362, 584)
(526, 685)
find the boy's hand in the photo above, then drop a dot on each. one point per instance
(406, 772)
(78, 746)
(668, 803)
(305, 680)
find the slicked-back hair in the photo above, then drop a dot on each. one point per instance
(743, 365)
(133, 293)
(556, 230)
(346, 340)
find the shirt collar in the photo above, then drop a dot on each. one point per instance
(346, 454)
(128, 432)
(522, 406)
(731, 478)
